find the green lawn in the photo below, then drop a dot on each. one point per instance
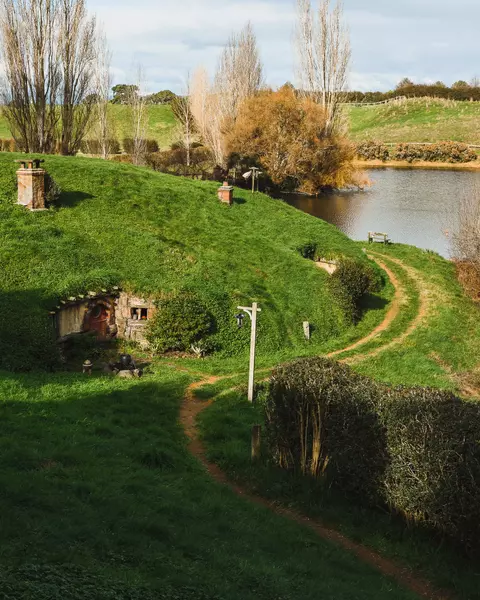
(101, 499)
(443, 351)
(154, 234)
(161, 124)
(416, 120)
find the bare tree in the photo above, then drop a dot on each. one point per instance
(239, 73)
(182, 109)
(48, 49)
(466, 238)
(31, 89)
(138, 114)
(324, 54)
(78, 45)
(102, 130)
(206, 111)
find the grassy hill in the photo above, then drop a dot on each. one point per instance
(100, 496)
(417, 120)
(152, 233)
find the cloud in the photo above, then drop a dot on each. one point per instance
(422, 39)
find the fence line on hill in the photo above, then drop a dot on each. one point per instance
(396, 100)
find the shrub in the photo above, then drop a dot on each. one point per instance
(174, 161)
(433, 475)
(450, 152)
(128, 145)
(321, 421)
(123, 159)
(96, 146)
(414, 450)
(349, 284)
(181, 322)
(308, 250)
(373, 151)
(151, 146)
(9, 145)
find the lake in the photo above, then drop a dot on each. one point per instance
(414, 206)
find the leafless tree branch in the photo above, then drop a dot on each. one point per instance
(323, 57)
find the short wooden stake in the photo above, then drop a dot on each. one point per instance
(256, 441)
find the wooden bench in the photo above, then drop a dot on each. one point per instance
(375, 236)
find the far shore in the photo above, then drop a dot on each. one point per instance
(421, 164)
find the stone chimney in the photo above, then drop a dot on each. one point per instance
(31, 184)
(225, 193)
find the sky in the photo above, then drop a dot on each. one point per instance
(426, 40)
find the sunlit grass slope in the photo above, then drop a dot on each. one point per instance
(155, 234)
(417, 120)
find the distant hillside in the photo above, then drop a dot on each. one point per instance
(161, 124)
(417, 120)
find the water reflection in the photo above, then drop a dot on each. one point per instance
(418, 207)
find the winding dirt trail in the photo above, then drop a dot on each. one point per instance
(192, 407)
(425, 306)
(392, 314)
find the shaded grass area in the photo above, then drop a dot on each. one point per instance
(226, 429)
(101, 498)
(417, 120)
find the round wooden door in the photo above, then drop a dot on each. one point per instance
(98, 320)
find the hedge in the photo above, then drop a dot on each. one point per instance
(468, 93)
(414, 450)
(371, 150)
(149, 145)
(450, 152)
(96, 146)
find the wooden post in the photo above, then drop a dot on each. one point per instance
(253, 343)
(256, 441)
(252, 313)
(306, 330)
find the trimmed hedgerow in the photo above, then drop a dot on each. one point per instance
(450, 152)
(415, 450)
(97, 147)
(322, 421)
(181, 322)
(149, 145)
(372, 150)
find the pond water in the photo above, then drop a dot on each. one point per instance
(418, 207)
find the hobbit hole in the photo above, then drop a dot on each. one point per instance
(109, 315)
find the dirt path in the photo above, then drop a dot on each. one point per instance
(425, 306)
(192, 407)
(392, 314)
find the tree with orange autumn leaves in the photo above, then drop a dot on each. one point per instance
(286, 135)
